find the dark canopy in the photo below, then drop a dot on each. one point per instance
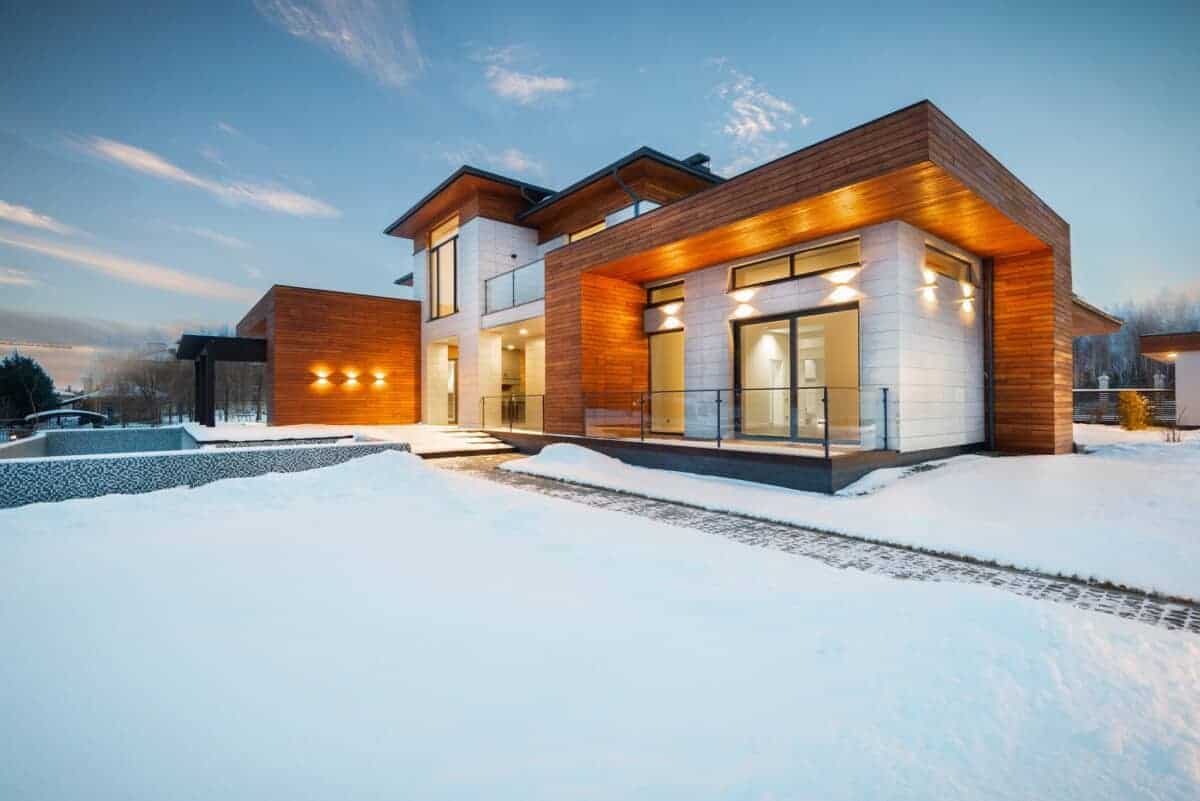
(205, 351)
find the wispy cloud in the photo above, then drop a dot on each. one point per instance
(23, 215)
(509, 159)
(375, 37)
(136, 272)
(14, 277)
(253, 272)
(755, 120)
(213, 236)
(525, 88)
(226, 128)
(235, 192)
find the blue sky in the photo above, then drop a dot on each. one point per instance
(161, 167)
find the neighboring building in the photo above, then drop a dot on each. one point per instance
(1183, 350)
(898, 256)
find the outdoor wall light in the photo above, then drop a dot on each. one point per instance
(843, 293)
(321, 381)
(669, 323)
(743, 311)
(743, 295)
(842, 276)
(929, 293)
(968, 305)
(929, 275)
(671, 308)
(967, 289)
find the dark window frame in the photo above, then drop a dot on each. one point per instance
(967, 266)
(655, 304)
(433, 256)
(792, 274)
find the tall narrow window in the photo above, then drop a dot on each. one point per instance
(443, 270)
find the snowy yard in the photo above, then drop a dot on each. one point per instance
(1128, 512)
(385, 629)
(422, 438)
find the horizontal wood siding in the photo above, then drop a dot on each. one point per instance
(311, 330)
(1033, 355)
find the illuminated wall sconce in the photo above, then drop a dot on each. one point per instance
(743, 295)
(842, 276)
(968, 305)
(670, 323)
(967, 289)
(322, 377)
(351, 378)
(843, 293)
(743, 311)
(672, 308)
(379, 378)
(929, 293)
(929, 275)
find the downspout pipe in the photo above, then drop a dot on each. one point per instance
(989, 351)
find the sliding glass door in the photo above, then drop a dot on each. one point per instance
(789, 367)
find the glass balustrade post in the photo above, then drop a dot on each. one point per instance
(825, 405)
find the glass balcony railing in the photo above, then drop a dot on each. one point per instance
(515, 287)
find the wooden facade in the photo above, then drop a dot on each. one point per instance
(338, 357)
(914, 165)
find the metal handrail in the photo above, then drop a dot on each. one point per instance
(511, 275)
(508, 408)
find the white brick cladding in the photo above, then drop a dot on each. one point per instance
(485, 249)
(929, 354)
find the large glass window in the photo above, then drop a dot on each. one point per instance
(443, 279)
(789, 366)
(666, 382)
(811, 261)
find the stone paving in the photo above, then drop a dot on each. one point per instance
(846, 552)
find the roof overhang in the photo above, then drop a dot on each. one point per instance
(913, 165)
(1089, 321)
(645, 162)
(1165, 347)
(450, 194)
(222, 349)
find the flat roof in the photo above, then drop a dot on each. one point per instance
(223, 349)
(1164, 347)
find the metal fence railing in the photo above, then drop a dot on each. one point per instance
(514, 412)
(516, 287)
(826, 417)
(1100, 405)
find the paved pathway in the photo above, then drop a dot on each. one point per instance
(846, 552)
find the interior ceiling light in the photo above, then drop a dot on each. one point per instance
(524, 332)
(511, 347)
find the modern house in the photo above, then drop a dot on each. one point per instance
(1181, 349)
(892, 290)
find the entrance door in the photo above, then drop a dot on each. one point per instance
(666, 383)
(452, 392)
(793, 370)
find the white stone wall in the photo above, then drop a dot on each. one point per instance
(1187, 388)
(485, 249)
(928, 354)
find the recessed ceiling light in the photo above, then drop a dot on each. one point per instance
(512, 347)
(524, 332)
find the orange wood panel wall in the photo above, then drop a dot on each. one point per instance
(1033, 323)
(600, 348)
(313, 331)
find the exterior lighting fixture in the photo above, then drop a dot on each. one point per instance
(968, 305)
(743, 295)
(842, 276)
(671, 308)
(743, 311)
(671, 322)
(929, 275)
(929, 294)
(967, 289)
(524, 332)
(321, 381)
(1172, 355)
(379, 378)
(350, 380)
(843, 293)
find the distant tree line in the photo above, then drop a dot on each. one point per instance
(1119, 356)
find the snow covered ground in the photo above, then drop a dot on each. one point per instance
(385, 629)
(420, 437)
(1127, 513)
